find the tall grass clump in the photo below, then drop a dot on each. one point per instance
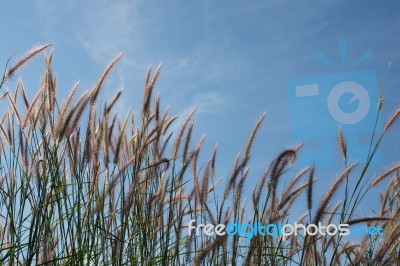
(80, 185)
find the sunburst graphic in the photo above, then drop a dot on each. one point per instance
(321, 57)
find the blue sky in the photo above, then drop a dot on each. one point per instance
(230, 59)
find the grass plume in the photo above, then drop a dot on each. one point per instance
(82, 185)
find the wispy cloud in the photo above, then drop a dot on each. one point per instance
(107, 29)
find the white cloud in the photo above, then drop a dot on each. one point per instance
(107, 29)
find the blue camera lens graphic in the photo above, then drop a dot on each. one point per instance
(358, 93)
